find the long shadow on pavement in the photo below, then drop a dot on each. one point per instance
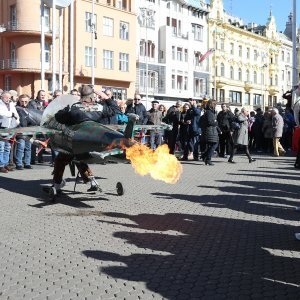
(25, 187)
(203, 257)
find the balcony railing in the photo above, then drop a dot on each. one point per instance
(22, 64)
(24, 26)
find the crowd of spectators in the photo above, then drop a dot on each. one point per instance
(198, 130)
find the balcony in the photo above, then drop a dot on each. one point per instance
(29, 65)
(248, 86)
(273, 90)
(13, 28)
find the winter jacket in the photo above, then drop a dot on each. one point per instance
(277, 124)
(210, 129)
(241, 135)
(140, 110)
(9, 117)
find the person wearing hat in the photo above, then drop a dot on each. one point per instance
(84, 110)
(155, 118)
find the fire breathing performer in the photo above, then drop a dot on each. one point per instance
(87, 109)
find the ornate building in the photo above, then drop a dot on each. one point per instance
(246, 67)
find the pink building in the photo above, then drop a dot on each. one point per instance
(114, 41)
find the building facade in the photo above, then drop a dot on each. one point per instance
(248, 67)
(113, 29)
(172, 35)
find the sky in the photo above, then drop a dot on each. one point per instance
(258, 11)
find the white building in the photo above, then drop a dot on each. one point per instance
(172, 35)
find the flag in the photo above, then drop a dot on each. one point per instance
(205, 55)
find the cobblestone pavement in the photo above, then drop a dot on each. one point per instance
(222, 232)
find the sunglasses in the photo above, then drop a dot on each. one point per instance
(137, 99)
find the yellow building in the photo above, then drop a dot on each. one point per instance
(245, 63)
(114, 42)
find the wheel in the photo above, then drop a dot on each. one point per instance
(120, 190)
(51, 192)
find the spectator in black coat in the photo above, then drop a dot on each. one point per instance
(138, 108)
(210, 131)
(225, 118)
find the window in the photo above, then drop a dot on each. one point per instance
(90, 22)
(173, 52)
(174, 27)
(255, 77)
(12, 54)
(7, 82)
(231, 48)
(247, 99)
(255, 55)
(248, 53)
(247, 75)
(289, 76)
(108, 59)
(288, 59)
(173, 82)
(124, 30)
(197, 31)
(13, 16)
(186, 55)
(222, 95)
(108, 26)
(179, 82)
(257, 99)
(199, 88)
(235, 97)
(282, 75)
(185, 85)
(240, 51)
(222, 70)
(47, 18)
(179, 54)
(282, 55)
(276, 80)
(88, 56)
(124, 62)
(231, 73)
(240, 74)
(222, 44)
(47, 53)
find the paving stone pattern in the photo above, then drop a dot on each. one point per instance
(222, 232)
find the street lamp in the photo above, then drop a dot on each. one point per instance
(93, 41)
(264, 66)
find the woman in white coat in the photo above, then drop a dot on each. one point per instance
(240, 135)
(9, 118)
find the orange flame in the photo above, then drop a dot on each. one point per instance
(159, 163)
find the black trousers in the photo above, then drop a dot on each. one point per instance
(226, 143)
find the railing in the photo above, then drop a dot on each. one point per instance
(27, 64)
(24, 26)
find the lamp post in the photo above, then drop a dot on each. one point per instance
(215, 65)
(262, 85)
(42, 45)
(93, 41)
